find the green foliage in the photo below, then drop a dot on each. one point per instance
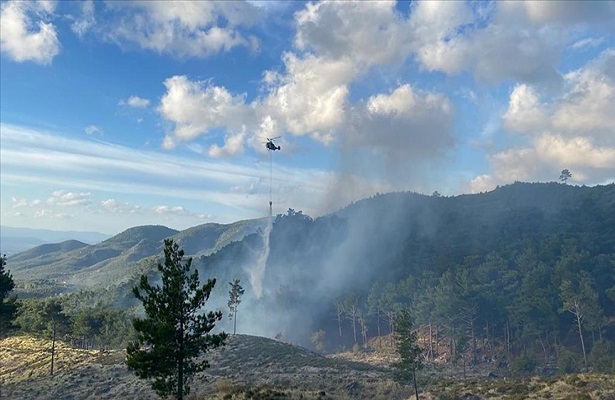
(525, 364)
(602, 356)
(174, 332)
(55, 321)
(234, 300)
(318, 340)
(410, 352)
(565, 175)
(8, 304)
(567, 361)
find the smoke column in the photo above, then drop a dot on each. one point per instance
(257, 273)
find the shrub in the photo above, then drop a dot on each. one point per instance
(524, 364)
(602, 356)
(567, 361)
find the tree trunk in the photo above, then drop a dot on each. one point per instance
(507, 339)
(473, 342)
(577, 314)
(180, 362)
(437, 339)
(378, 324)
(235, 322)
(354, 327)
(430, 343)
(416, 388)
(53, 348)
(544, 349)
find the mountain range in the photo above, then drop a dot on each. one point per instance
(14, 240)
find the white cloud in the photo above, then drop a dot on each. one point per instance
(513, 40)
(233, 146)
(310, 98)
(366, 32)
(65, 198)
(51, 214)
(525, 112)
(19, 35)
(569, 12)
(409, 121)
(588, 43)
(93, 130)
(135, 102)
(117, 207)
(183, 28)
(586, 108)
(575, 152)
(195, 108)
(588, 105)
(590, 164)
(171, 210)
(36, 158)
(17, 203)
(575, 130)
(86, 22)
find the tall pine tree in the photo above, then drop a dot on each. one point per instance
(410, 353)
(175, 330)
(234, 299)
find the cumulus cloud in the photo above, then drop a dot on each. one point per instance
(170, 210)
(525, 112)
(194, 108)
(586, 107)
(118, 207)
(183, 28)
(510, 40)
(568, 13)
(409, 121)
(310, 98)
(135, 102)
(233, 145)
(574, 131)
(24, 34)
(369, 33)
(589, 103)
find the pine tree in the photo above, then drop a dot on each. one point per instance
(57, 324)
(234, 299)
(8, 305)
(175, 330)
(410, 353)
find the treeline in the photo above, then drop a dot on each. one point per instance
(89, 327)
(548, 303)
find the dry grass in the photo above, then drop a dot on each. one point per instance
(259, 368)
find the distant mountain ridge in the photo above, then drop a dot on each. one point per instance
(14, 240)
(82, 265)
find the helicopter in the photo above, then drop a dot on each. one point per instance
(270, 145)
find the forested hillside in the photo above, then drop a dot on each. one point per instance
(524, 275)
(508, 271)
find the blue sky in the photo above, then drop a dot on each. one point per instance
(116, 114)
